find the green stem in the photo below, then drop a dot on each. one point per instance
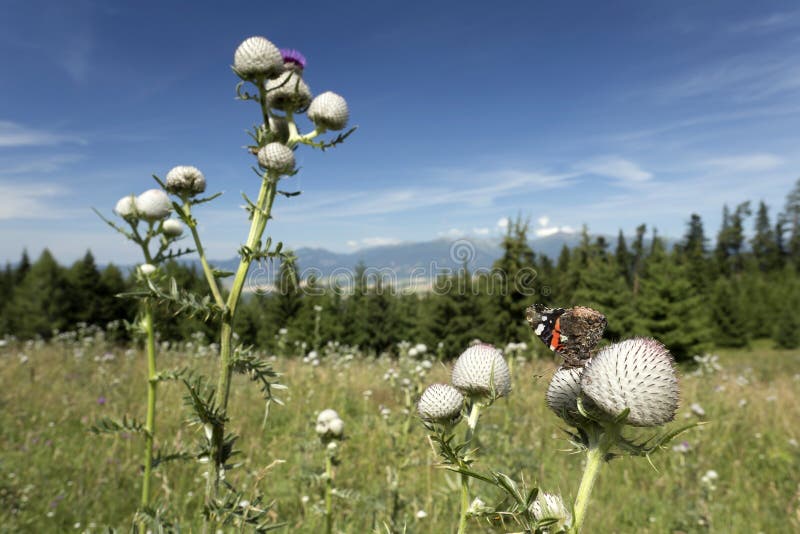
(472, 424)
(328, 493)
(150, 421)
(594, 459)
(212, 282)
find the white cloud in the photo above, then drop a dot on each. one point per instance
(618, 168)
(543, 220)
(373, 242)
(13, 134)
(452, 232)
(746, 163)
(29, 201)
(502, 223)
(480, 231)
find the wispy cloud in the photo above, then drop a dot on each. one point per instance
(13, 134)
(620, 169)
(746, 163)
(373, 242)
(771, 22)
(29, 201)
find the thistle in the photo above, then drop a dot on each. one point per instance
(330, 429)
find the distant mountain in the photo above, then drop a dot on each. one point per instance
(405, 263)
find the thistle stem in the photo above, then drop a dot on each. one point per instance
(328, 493)
(212, 282)
(594, 459)
(472, 424)
(150, 421)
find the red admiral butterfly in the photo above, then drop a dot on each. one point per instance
(572, 333)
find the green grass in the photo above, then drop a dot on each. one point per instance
(55, 475)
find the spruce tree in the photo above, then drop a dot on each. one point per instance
(84, 291)
(786, 320)
(693, 252)
(667, 306)
(638, 258)
(41, 301)
(764, 243)
(791, 220)
(623, 258)
(601, 286)
(728, 315)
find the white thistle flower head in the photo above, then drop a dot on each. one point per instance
(326, 416)
(257, 56)
(336, 427)
(147, 269)
(185, 180)
(288, 92)
(551, 506)
(126, 207)
(563, 392)
(172, 228)
(480, 369)
(276, 158)
(153, 204)
(329, 111)
(635, 374)
(440, 403)
(279, 128)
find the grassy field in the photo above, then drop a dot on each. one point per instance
(56, 476)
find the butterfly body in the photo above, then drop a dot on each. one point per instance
(572, 333)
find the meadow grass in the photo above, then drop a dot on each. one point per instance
(56, 476)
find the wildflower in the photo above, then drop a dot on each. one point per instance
(709, 479)
(126, 207)
(329, 424)
(329, 111)
(257, 56)
(481, 370)
(697, 410)
(153, 204)
(276, 158)
(293, 59)
(682, 447)
(185, 180)
(147, 269)
(172, 228)
(101, 400)
(288, 92)
(551, 506)
(636, 374)
(421, 514)
(440, 403)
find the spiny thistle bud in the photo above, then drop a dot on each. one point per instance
(257, 56)
(637, 374)
(480, 369)
(329, 111)
(185, 180)
(551, 506)
(147, 269)
(440, 403)
(153, 204)
(172, 228)
(288, 92)
(563, 392)
(276, 158)
(126, 207)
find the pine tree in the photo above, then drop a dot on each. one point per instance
(730, 240)
(23, 267)
(764, 243)
(623, 258)
(667, 306)
(693, 252)
(638, 258)
(791, 220)
(84, 291)
(601, 286)
(288, 300)
(41, 302)
(786, 323)
(729, 315)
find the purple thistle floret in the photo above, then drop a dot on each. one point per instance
(291, 55)
(101, 400)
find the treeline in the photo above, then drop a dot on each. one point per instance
(693, 297)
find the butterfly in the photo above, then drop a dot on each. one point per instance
(573, 333)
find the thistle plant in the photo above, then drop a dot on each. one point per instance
(330, 429)
(145, 223)
(275, 78)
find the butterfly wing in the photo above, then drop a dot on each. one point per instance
(572, 333)
(545, 324)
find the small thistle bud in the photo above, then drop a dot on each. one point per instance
(329, 111)
(147, 269)
(637, 374)
(326, 416)
(172, 228)
(276, 158)
(257, 56)
(563, 392)
(185, 180)
(153, 204)
(288, 92)
(481, 368)
(440, 403)
(551, 506)
(126, 207)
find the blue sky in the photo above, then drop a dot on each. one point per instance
(600, 113)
